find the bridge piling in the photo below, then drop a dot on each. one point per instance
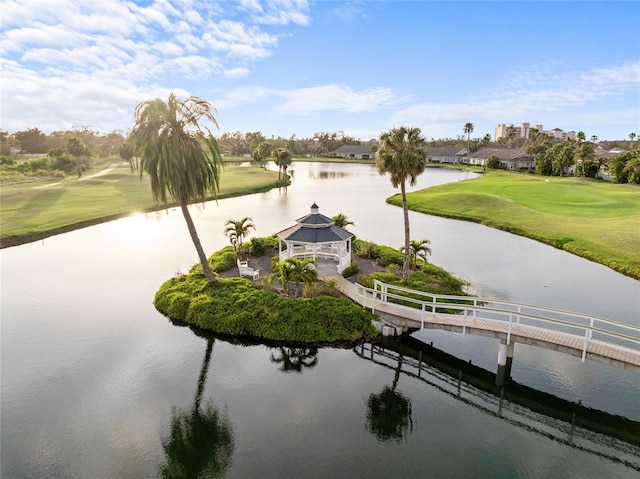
(505, 359)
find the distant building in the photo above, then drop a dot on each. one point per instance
(357, 152)
(446, 154)
(509, 158)
(524, 131)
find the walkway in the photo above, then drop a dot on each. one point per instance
(585, 336)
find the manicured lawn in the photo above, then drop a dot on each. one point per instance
(593, 219)
(31, 209)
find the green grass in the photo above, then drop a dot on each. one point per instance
(592, 219)
(34, 210)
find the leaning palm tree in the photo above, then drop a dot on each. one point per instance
(402, 154)
(238, 229)
(468, 129)
(419, 250)
(180, 156)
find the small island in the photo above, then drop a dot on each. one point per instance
(292, 295)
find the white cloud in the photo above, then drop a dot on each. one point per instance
(334, 97)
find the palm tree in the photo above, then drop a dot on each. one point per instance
(282, 158)
(486, 139)
(418, 250)
(402, 154)
(180, 156)
(238, 229)
(261, 153)
(468, 129)
(585, 160)
(341, 220)
(297, 271)
(632, 136)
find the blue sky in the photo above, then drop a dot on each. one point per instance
(298, 67)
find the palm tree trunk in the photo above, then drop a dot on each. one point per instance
(407, 252)
(196, 241)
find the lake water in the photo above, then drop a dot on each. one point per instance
(97, 384)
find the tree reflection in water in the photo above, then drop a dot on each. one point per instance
(389, 415)
(295, 359)
(201, 440)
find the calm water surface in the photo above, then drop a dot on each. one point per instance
(96, 383)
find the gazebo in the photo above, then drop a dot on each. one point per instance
(316, 236)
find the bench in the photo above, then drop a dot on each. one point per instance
(245, 270)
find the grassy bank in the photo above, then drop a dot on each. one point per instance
(34, 210)
(592, 219)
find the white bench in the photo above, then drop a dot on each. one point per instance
(245, 270)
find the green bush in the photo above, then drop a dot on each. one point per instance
(220, 261)
(259, 246)
(387, 256)
(37, 164)
(351, 270)
(235, 306)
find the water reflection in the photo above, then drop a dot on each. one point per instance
(608, 436)
(389, 416)
(295, 359)
(201, 440)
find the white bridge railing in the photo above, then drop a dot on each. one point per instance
(587, 327)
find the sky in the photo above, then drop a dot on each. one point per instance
(304, 67)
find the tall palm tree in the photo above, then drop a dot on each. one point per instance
(632, 136)
(468, 129)
(419, 249)
(238, 229)
(180, 155)
(282, 158)
(402, 153)
(486, 139)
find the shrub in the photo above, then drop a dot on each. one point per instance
(259, 246)
(387, 256)
(364, 249)
(352, 269)
(220, 261)
(37, 164)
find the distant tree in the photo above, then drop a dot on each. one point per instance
(180, 155)
(493, 162)
(625, 167)
(282, 158)
(402, 154)
(76, 148)
(127, 154)
(486, 139)
(261, 153)
(32, 140)
(584, 158)
(632, 136)
(341, 220)
(468, 129)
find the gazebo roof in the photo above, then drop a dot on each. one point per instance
(314, 228)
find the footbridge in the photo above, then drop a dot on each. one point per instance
(582, 335)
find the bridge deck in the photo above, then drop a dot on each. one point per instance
(565, 342)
